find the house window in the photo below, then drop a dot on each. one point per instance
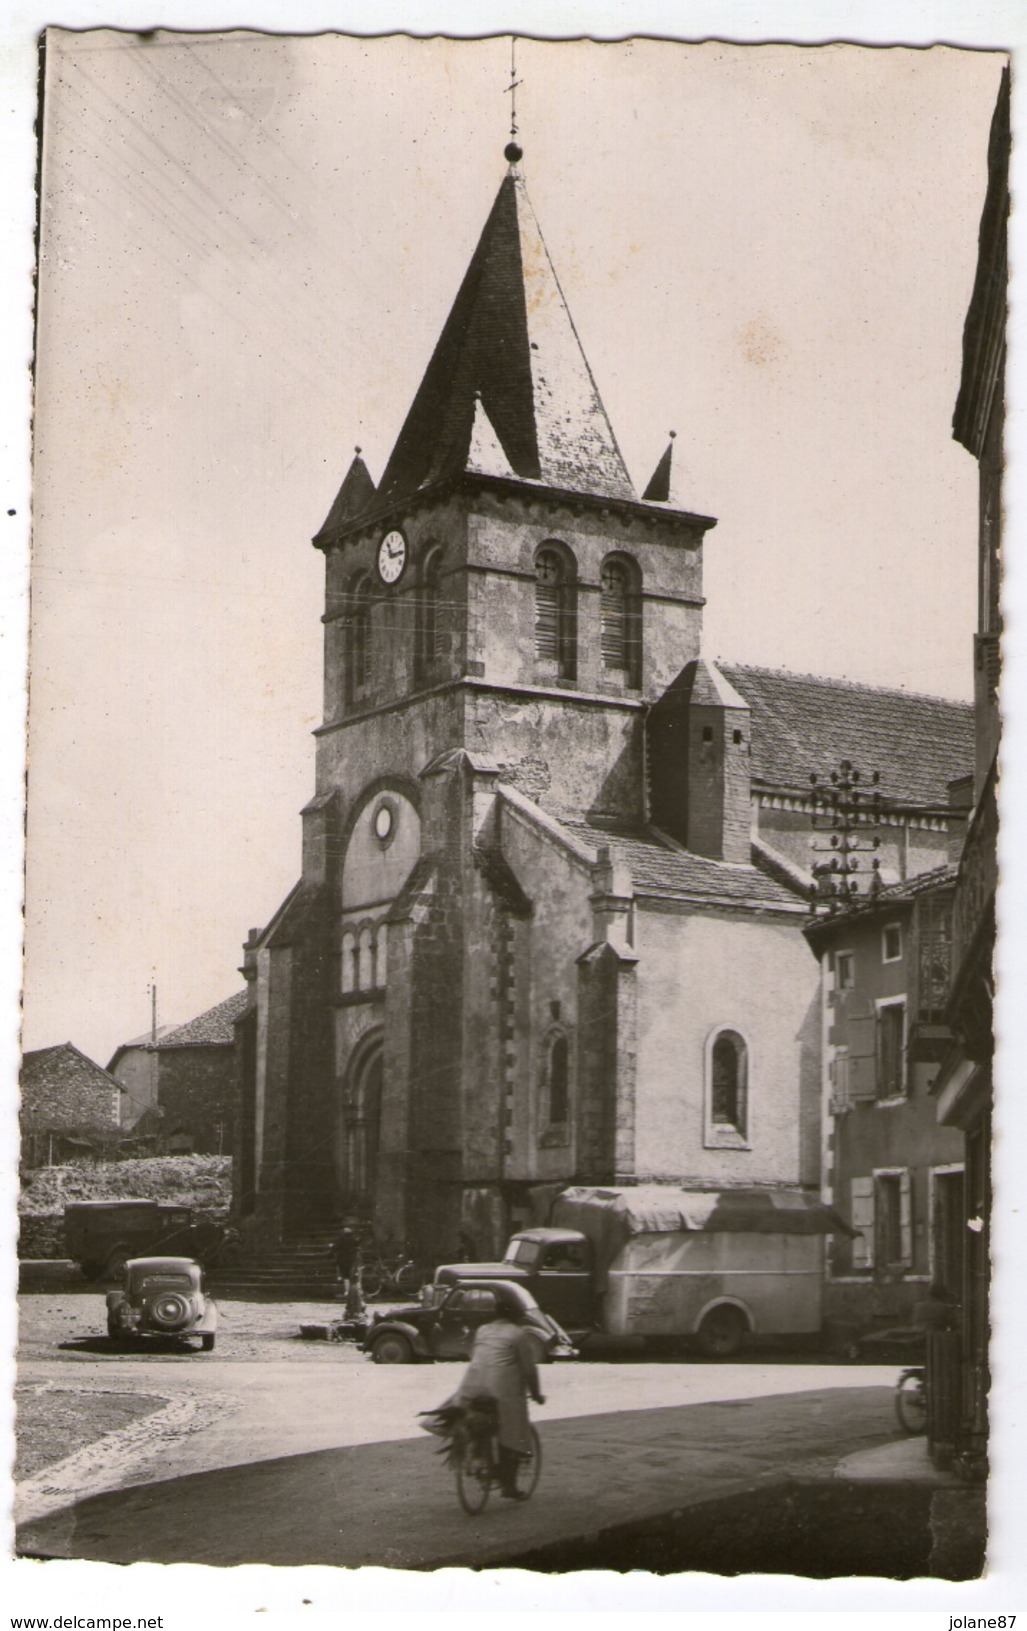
(891, 1050)
(893, 1233)
(891, 947)
(861, 1216)
(727, 1090)
(555, 1093)
(844, 971)
(619, 617)
(555, 611)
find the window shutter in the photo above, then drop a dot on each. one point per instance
(839, 1074)
(862, 1072)
(862, 1203)
(906, 1219)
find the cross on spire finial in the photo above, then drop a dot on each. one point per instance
(512, 152)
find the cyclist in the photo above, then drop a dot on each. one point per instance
(502, 1368)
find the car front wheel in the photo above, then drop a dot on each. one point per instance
(392, 1349)
(207, 1342)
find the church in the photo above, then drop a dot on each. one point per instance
(556, 866)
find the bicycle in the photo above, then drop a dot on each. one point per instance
(476, 1460)
(470, 1446)
(384, 1274)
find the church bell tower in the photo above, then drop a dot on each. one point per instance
(501, 610)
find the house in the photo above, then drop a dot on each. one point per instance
(70, 1107)
(180, 1083)
(549, 926)
(888, 1167)
(963, 1087)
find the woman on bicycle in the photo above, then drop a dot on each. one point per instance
(503, 1368)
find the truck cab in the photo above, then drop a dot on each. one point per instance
(555, 1265)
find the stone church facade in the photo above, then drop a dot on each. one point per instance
(549, 923)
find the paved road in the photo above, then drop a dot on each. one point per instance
(390, 1502)
(224, 1413)
(322, 1461)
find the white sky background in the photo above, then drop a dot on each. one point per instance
(250, 245)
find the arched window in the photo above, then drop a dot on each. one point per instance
(728, 1088)
(619, 618)
(366, 942)
(559, 1097)
(359, 654)
(350, 967)
(428, 643)
(381, 956)
(555, 1089)
(556, 610)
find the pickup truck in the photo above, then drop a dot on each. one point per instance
(663, 1263)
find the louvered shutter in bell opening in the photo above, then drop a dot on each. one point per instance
(547, 608)
(614, 617)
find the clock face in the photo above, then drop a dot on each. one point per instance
(392, 557)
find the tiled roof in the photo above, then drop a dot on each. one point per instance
(658, 868)
(216, 1026)
(802, 724)
(886, 899)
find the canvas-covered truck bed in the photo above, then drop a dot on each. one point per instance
(712, 1264)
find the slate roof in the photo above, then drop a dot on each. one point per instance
(658, 868)
(803, 724)
(509, 344)
(61, 1087)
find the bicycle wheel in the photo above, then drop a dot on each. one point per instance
(530, 1470)
(475, 1473)
(911, 1404)
(372, 1277)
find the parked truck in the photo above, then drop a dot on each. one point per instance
(101, 1236)
(666, 1264)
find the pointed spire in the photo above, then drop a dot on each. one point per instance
(356, 495)
(659, 488)
(510, 342)
(485, 456)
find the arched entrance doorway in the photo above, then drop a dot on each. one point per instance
(361, 1129)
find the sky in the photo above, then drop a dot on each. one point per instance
(249, 246)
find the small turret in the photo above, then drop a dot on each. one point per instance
(700, 783)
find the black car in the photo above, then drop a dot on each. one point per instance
(442, 1326)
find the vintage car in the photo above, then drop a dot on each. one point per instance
(162, 1296)
(443, 1324)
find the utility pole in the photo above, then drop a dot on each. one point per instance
(850, 813)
